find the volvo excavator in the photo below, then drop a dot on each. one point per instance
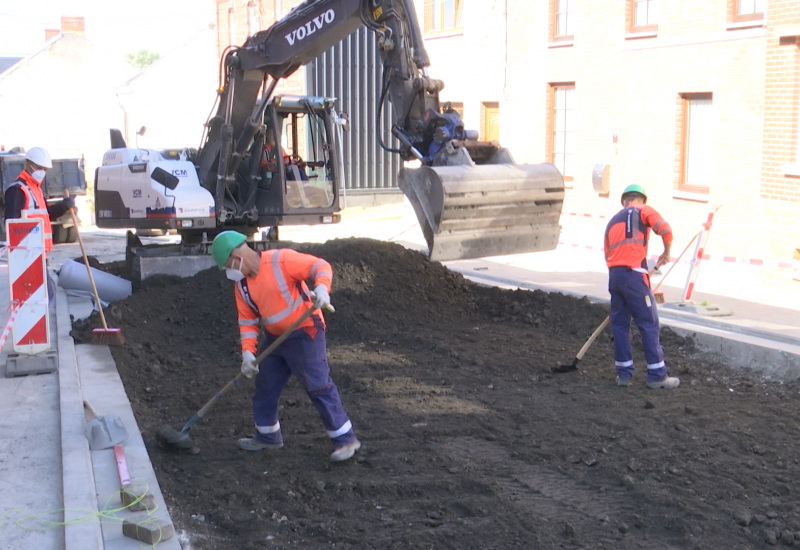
(269, 160)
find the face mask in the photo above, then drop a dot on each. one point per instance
(38, 175)
(235, 275)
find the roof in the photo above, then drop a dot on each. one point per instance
(8, 62)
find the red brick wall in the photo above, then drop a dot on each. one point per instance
(781, 103)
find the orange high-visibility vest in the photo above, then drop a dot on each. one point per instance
(278, 295)
(35, 205)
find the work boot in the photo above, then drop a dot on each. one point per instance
(625, 382)
(346, 451)
(668, 383)
(253, 444)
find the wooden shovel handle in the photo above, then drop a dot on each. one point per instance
(261, 356)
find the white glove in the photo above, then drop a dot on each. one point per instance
(320, 297)
(249, 367)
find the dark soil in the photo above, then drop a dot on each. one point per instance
(469, 440)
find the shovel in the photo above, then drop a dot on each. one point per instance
(104, 431)
(181, 439)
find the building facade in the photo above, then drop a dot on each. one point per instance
(697, 101)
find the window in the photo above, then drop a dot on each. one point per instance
(442, 15)
(562, 19)
(490, 121)
(457, 106)
(231, 26)
(696, 164)
(642, 15)
(748, 10)
(562, 128)
(253, 23)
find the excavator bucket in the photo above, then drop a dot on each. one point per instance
(472, 211)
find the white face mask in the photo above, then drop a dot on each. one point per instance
(38, 175)
(235, 275)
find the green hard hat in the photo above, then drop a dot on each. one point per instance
(223, 245)
(634, 188)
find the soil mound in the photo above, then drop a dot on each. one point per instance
(469, 440)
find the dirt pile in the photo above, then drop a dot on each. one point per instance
(469, 440)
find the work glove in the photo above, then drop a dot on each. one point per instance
(320, 297)
(249, 366)
(68, 202)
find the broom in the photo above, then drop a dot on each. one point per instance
(100, 336)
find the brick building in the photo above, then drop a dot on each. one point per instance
(697, 101)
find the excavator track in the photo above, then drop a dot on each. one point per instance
(472, 211)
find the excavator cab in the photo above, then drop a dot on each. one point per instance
(293, 168)
(300, 158)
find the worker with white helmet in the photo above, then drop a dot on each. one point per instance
(626, 240)
(24, 198)
(25, 194)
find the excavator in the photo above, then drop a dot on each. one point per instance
(269, 160)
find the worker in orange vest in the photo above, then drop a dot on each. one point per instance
(24, 198)
(626, 240)
(269, 160)
(271, 294)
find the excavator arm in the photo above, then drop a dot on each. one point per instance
(470, 197)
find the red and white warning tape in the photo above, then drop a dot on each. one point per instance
(10, 323)
(755, 262)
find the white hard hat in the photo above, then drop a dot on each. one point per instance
(40, 156)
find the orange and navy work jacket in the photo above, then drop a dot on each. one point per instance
(35, 205)
(278, 295)
(627, 234)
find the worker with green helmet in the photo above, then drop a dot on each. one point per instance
(271, 296)
(626, 239)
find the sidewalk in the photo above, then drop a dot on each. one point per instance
(55, 493)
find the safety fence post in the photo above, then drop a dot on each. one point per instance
(686, 302)
(699, 249)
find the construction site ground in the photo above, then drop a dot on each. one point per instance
(469, 439)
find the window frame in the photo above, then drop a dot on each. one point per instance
(684, 105)
(737, 17)
(488, 108)
(630, 14)
(554, 19)
(428, 16)
(552, 121)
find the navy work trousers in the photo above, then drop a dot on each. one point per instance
(631, 297)
(306, 358)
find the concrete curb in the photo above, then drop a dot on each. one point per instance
(79, 495)
(775, 357)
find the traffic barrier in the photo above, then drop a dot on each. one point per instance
(27, 274)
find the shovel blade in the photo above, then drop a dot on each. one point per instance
(105, 431)
(565, 368)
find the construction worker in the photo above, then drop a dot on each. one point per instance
(24, 198)
(626, 240)
(271, 293)
(269, 159)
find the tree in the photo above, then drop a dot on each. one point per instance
(142, 58)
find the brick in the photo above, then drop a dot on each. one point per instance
(150, 531)
(136, 503)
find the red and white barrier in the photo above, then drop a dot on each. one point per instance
(27, 275)
(698, 256)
